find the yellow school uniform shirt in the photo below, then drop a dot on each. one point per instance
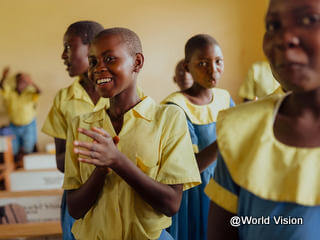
(261, 164)
(259, 82)
(21, 108)
(156, 138)
(69, 103)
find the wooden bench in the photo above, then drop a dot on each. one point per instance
(43, 203)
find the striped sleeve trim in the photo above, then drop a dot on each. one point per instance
(222, 197)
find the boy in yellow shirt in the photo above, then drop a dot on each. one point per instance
(20, 103)
(129, 190)
(79, 98)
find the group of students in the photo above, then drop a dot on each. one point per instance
(135, 169)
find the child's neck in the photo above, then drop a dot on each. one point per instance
(88, 85)
(120, 104)
(198, 95)
(297, 122)
(299, 104)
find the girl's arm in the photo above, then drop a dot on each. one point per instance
(219, 227)
(80, 201)
(4, 76)
(103, 153)
(207, 156)
(60, 145)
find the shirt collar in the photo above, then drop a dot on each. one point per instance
(76, 91)
(145, 109)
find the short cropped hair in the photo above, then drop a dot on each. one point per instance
(86, 30)
(129, 38)
(197, 42)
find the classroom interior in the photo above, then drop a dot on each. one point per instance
(31, 42)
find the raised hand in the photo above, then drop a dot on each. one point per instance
(5, 72)
(102, 152)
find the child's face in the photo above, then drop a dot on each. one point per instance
(75, 55)
(182, 78)
(111, 66)
(206, 65)
(21, 81)
(292, 43)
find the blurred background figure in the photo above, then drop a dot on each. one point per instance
(182, 78)
(20, 101)
(259, 82)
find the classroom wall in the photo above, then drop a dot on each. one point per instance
(32, 31)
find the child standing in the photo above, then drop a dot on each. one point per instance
(201, 104)
(79, 98)
(20, 103)
(268, 169)
(181, 77)
(128, 190)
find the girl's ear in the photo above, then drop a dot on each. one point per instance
(138, 64)
(186, 66)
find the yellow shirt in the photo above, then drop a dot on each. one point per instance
(21, 108)
(154, 137)
(69, 103)
(261, 164)
(259, 82)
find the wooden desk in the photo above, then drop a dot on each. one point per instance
(32, 229)
(38, 229)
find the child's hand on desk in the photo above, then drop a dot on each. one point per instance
(102, 152)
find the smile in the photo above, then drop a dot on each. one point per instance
(103, 80)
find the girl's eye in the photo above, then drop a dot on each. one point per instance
(92, 62)
(219, 61)
(272, 26)
(203, 64)
(309, 20)
(108, 59)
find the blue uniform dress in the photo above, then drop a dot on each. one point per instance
(273, 188)
(191, 220)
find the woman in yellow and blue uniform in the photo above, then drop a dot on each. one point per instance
(257, 175)
(201, 121)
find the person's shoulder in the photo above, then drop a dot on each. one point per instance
(167, 111)
(261, 105)
(63, 94)
(247, 114)
(173, 98)
(221, 92)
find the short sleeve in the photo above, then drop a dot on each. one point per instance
(178, 164)
(55, 124)
(222, 190)
(247, 88)
(72, 178)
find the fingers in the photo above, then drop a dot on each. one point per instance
(93, 161)
(86, 145)
(99, 137)
(100, 131)
(91, 154)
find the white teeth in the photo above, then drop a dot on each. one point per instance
(104, 80)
